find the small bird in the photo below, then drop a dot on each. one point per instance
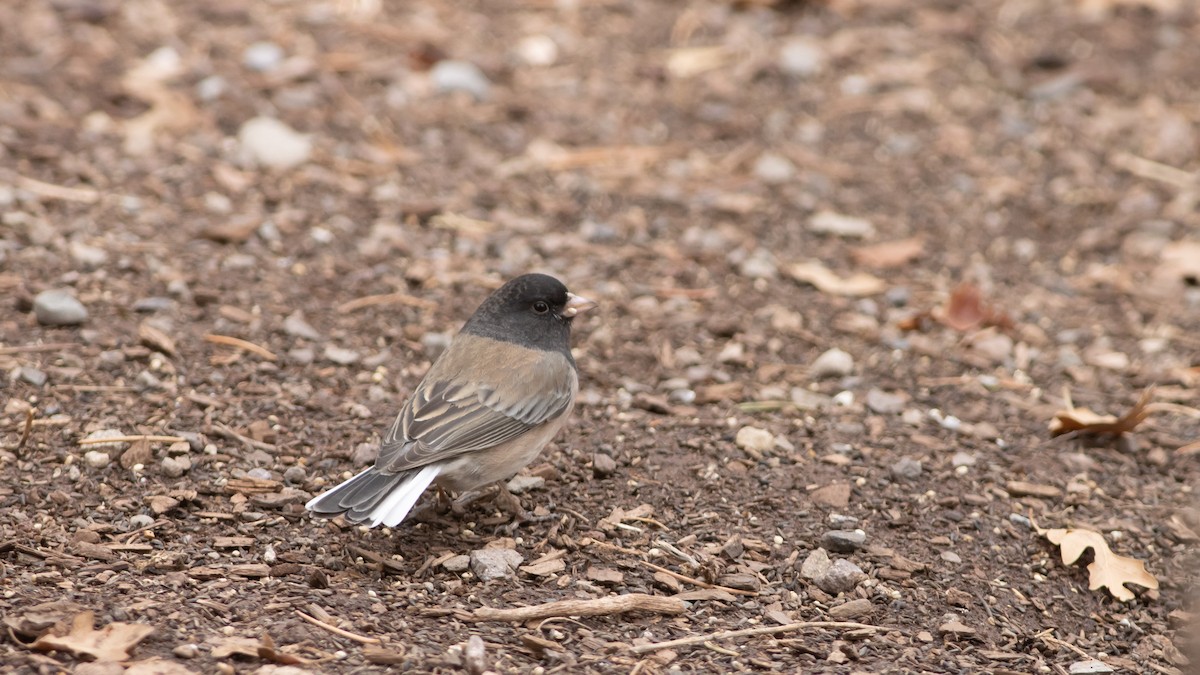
(491, 401)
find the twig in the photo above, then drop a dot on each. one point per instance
(613, 604)
(133, 439)
(673, 550)
(1050, 639)
(1164, 173)
(385, 299)
(338, 631)
(52, 191)
(241, 344)
(230, 433)
(94, 387)
(29, 349)
(762, 630)
(697, 582)
(25, 432)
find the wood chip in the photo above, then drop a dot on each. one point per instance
(1019, 488)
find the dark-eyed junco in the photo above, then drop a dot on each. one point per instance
(499, 392)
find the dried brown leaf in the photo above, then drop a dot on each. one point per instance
(114, 642)
(856, 285)
(1107, 569)
(1086, 421)
(967, 310)
(889, 253)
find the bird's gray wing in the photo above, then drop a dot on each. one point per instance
(445, 418)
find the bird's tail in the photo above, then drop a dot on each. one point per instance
(374, 498)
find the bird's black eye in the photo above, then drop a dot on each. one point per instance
(541, 307)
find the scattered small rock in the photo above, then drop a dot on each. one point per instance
(457, 564)
(87, 256)
(842, 522)
(97, 459)
(836, 496)
(295, 475)
(816, 564)
(833, 363)
(951, 557)
(754, 440)
(174, 467)
(841, 576)
(140, 521)
(262, 56)
(774, 169)
(844, 541)
(521, 483)
(854, 609)
(188, 651)
(364, 454)
(801, 57)
(906, 468)
(495, 563)
(828, 222)
(58, 308)
(296, 326)
(603, 465)
(341, 356)
(32, 375)
(450, 75)
(886, 403)
(961, 458)
(273, 144)
(537, 50)
(1089, 666)
(952, 625)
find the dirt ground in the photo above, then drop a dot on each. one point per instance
(987, 207)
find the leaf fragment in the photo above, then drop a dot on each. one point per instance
(114, 642)
(856, 285)
(1085, 421)
(1107, 569)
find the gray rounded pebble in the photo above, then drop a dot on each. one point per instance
(833, 363)
(295, 474)
(58, 308)
(844, 541)
(906, 468)
(842, 576)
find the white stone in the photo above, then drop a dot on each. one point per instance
(837, 224)
(273, 144)
(755, 440)
(465, 76)
(97, 459)
(537, 50)
(833, 363)
(801, 57)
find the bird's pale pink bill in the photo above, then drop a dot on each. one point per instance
(577, 304)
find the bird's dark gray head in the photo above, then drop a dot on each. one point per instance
(533, 310)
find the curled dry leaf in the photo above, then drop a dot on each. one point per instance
(114, 642)
(814, 273)
(967, 310)
(1107, 569)
(155, 339)
(889, 253)
(1085, 421)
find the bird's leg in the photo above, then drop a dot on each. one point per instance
(511, 504)
(459, 506)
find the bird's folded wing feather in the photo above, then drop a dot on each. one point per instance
(448, 417)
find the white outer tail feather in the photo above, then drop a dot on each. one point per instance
(396, 505)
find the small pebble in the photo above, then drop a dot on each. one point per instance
(33, 376)
(833, 363)
(842, 522)
(97, 459)
(153, 304)
(603, 465)
(58, 308)
(140, 521)
(816, 564)
(755, 440)
(801, 57)
(495, 563)
(262, 56)
(520, 483)
(273, 144)
(951, 557)
(174, 467)
(841, 576)
(906, 468)
(296, 326)
(828, 222)
(295, 475)
(844, 541)
(452, 75)
(537, 50)
(340, 356)
(885, 403)
(188, 651)
(774, 169)
(457, 564)
(961, 458)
